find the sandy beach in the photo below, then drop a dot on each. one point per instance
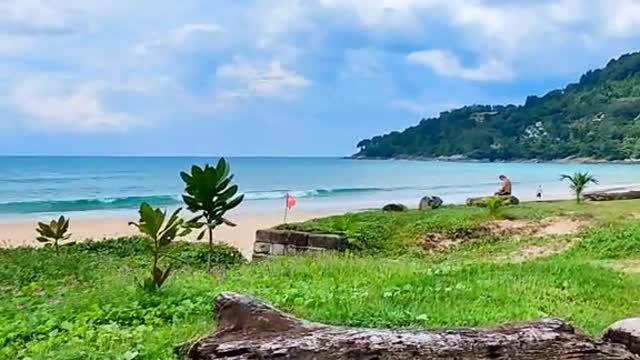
(22, 232)
(15, 233)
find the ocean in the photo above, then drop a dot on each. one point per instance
(95, 186)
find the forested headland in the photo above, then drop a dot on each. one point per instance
(597, 118)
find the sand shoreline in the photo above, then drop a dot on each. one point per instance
(21, 232)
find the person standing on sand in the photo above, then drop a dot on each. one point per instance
(539, 193)
(505, 188)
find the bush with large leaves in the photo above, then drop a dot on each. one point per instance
(162, 231)
(55, 231)
(210, 194)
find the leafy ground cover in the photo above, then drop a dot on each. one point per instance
(84, 301)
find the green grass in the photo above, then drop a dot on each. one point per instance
(84, 302)
(395, 232)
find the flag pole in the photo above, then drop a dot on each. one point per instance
(286, 207)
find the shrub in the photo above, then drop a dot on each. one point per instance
(210, 193)
(121, 247)
(222, 255)
(161, 231)
(55, 231)
(494, 204)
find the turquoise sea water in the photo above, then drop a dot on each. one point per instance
(96, 185)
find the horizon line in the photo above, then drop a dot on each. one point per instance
(173, 156)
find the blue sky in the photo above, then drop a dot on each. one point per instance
(279, 77)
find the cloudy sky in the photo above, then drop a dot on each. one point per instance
(279, 77)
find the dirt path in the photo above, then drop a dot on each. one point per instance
(511, 229)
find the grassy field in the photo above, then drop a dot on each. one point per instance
(84, 302)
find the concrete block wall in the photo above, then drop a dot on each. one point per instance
(271, 242)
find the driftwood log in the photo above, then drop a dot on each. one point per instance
(609, 196)
(480, 201)
(250, 329)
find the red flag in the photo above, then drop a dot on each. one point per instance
(291, 201)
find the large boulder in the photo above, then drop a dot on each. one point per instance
(480, 201)
(430, 202)
(625, 332)
(394, 207)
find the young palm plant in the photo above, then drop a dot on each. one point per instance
(162, 231)
(578, 182)
(55, 231)
(494, 204)
(210, 194)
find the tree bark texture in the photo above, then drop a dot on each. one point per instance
(609, 196)
(250, 329)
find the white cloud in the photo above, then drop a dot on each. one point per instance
(14, 44)
(447, 64)
(622, 18)
(272, 80)
(39, 17)
(521, 35)
(59, 104)
(175, 38)
(384, 14)
(568, 11)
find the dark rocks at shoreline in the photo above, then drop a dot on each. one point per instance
(465, 159)
(395, 207)
(430, 202)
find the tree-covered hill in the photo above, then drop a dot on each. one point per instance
(598, 118)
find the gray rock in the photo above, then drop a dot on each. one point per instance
(278, 250)
(260, 257)
(298, 238)
(272, 236)
(430, 202)
(285, 237)
(295, 250)
(394, 207)
(261, 248)
(326, 241)
(626, 332)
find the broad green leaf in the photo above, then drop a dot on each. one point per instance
(227, 194)
(235, 202)
(186, 177)
(196, 171)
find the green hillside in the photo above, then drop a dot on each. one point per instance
(598, 118)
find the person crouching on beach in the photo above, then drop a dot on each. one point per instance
(505, 188)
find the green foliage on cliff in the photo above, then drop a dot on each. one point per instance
(599, 117)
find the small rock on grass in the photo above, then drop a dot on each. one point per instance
(626, 332)
(430, 202)
(394, 207)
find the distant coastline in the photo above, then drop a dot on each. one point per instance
(463, 159)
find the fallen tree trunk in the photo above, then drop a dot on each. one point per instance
(480, 201)
(250, 329)
(610, 196)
